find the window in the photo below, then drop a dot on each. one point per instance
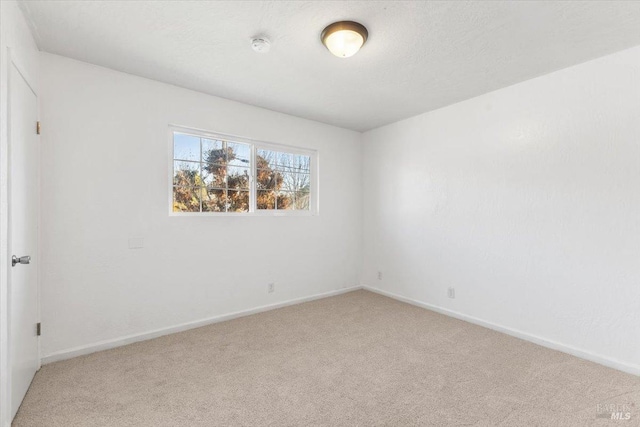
(213, 174)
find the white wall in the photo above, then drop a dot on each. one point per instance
(17, 46)
(527, 201)
(105, 160)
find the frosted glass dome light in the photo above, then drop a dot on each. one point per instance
(345, 38)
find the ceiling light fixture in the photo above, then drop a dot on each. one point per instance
(344, 38)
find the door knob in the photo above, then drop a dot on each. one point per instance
(22, 260)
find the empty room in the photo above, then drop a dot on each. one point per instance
(319, 213)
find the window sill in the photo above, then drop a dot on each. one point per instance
(242, 214)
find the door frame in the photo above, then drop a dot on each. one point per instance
(5, 234)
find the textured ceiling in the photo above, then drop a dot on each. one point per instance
(420, 55)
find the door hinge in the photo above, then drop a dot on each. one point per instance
(39, 329)
(38, 127)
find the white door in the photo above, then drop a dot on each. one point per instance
(23, 227)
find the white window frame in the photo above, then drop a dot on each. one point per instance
(255, 145)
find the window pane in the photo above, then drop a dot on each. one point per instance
(301, 201)
(186, 173)
(284, 200)
(265, 159)
(295, 182)
(285, 161)
(293, 163)
(266, 199)
(239, 154)
(213, 151)
(238, 177)
(214, 200)
(301, 164)
(238, 201)
(186, 147)
(288, 200)
(267, 179)
(214, 175)
(186, 199)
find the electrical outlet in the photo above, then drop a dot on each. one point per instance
(379, 275)
(451, 293)
(271, 288)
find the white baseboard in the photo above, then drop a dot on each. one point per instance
(129, 339)
(118, 342)
(583, 354)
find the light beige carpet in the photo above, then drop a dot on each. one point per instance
(358, 359)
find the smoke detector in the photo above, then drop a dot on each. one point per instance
(261, 44)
